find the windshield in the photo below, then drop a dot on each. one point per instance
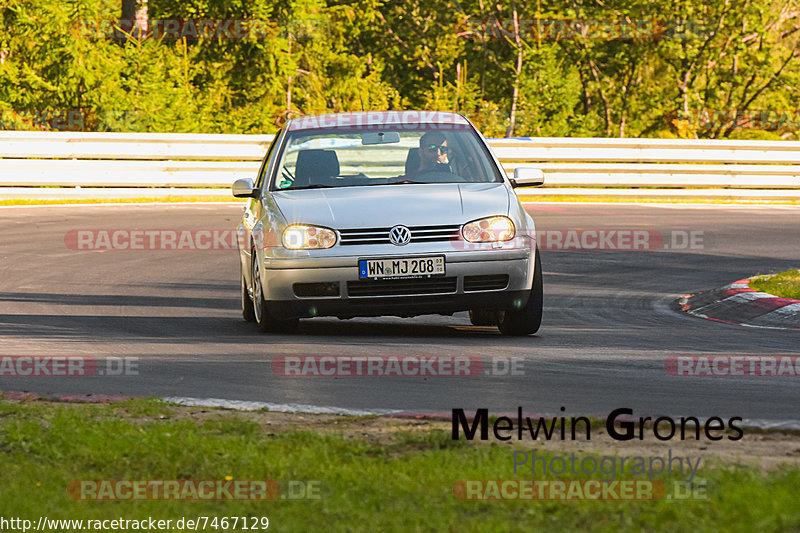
(323, 158)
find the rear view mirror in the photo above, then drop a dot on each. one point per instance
(244, 188)
(527, 176)
(380, 137)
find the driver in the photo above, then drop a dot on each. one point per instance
(433, 153)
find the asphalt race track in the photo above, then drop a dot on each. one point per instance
(608, 328)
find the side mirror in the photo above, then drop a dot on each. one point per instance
(527, 176)
(244, 188)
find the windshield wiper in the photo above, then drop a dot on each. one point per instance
(315, 186)
(407, 182)
(378, 182)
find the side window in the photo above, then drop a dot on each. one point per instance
(262, 172)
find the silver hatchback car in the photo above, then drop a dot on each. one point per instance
(387, 213)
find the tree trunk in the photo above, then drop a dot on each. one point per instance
(623, 119)
(515, 95)
(289, 84)
(134, 17)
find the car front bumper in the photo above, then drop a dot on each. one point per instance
(330, 286)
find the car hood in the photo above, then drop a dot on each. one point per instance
(388, 205)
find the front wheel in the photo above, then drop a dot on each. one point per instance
(264, 320)
(527, 319)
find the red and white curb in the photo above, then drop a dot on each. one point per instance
(740, 305)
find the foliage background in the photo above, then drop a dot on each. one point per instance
(701, 64)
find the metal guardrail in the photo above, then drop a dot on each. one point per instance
(127, 159)
(29, 159)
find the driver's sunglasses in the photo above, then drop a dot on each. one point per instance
(434, 147)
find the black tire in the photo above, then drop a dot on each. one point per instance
(248, 313)
(527, 319)
(265, 321)
(483, 317)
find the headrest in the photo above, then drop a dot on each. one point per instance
(315, 166)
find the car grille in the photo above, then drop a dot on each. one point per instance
(401, 287)
(485, 283)
(381, 235)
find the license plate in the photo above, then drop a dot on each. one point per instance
(401, 267)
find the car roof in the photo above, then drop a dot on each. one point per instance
(359, 119)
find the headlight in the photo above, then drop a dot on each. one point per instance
(490, 229)
(302, 237)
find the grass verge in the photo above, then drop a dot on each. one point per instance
(404, 483)
(784, 284)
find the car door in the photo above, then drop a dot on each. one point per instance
(254, 210)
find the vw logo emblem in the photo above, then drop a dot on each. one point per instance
(400, 235)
